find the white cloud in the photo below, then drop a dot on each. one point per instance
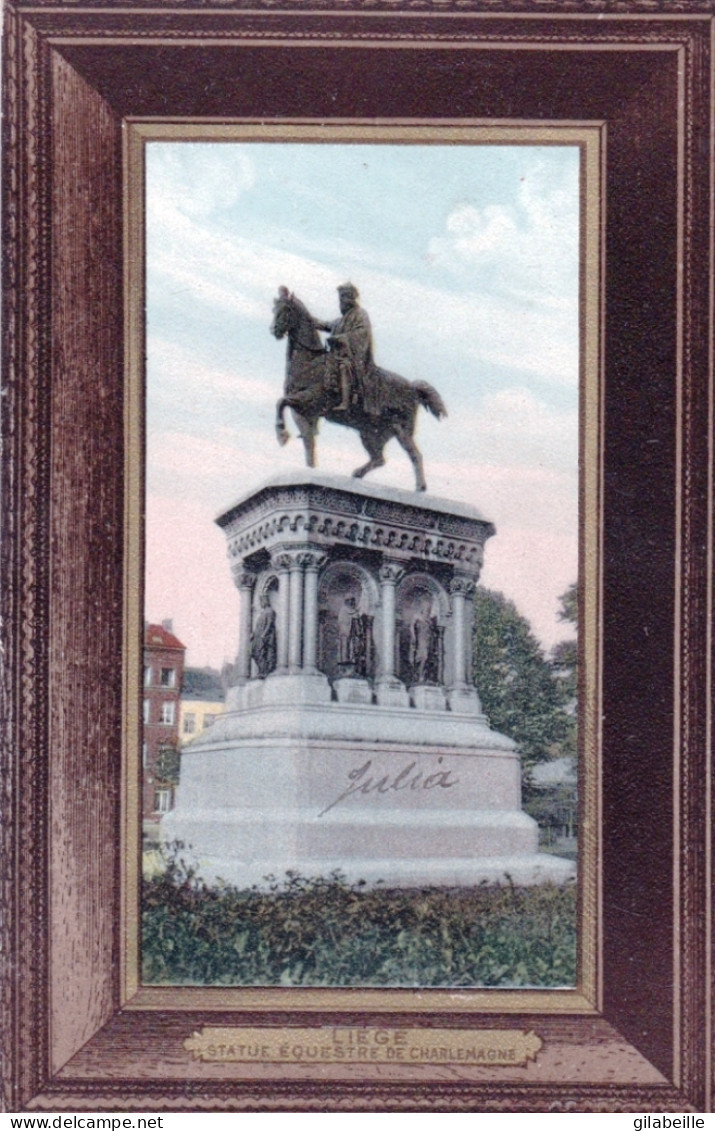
(225, 272)
(480, 235)
(197, 180)
(528, 249)
(524, 329)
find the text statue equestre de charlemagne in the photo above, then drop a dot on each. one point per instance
(341, 383)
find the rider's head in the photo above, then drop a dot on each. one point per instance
(347, 296)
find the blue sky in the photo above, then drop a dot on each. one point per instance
(466, 258)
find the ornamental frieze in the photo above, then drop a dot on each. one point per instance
(356, 534)
(395, 512)
(317, 516)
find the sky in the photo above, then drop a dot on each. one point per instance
(466, 259)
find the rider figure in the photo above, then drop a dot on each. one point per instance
(351, 345)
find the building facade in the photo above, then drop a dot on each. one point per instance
(203, 699)
(163, 676)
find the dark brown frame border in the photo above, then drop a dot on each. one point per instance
(73, 74)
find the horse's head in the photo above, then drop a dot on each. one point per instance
(285, 314)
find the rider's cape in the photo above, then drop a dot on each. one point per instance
(374, 388)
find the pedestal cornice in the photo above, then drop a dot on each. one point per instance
(330, 511)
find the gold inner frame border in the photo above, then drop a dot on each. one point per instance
(590, 137)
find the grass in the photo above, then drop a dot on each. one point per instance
(327, 932)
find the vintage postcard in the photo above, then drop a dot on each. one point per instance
(358, 557)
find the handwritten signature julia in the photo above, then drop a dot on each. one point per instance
(363, 779)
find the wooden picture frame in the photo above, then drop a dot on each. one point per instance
(75, 75)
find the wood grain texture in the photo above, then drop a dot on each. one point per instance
(479, 7)
(72, 75)
(24, 564)
(86, 499)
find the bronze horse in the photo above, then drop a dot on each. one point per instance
(312, 391)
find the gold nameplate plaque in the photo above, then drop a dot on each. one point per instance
(364, 1045)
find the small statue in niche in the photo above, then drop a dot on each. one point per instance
(355, 645)
(349, 633)
(423, 636)
(264, 650)
(420, 645)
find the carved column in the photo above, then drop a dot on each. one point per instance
(245, 580)
(461, 588)
(295, 617)
(390, 691)
(390, 574)
(281, 563)
(462, 696)
(311, 562)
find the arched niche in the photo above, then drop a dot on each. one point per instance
(421, 618)
(347, 599)
(263, 641)
(267, 583)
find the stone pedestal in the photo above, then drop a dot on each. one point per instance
(426, 698)
(391, 693)
(355, 739)
(464, 701)
(352, 690)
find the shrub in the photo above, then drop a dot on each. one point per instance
(327, 932)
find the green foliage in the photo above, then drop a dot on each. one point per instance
(555, 809)
(564, 660)
(326, 932)
(564, 655)
(569, 605)
(168, 763)
(520, 693)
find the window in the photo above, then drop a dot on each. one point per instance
(168, 677)
(147, 677)
(209, 721)
(162, 801)
(145, 755)
(189, 723)
(147, 711)
(168, 713)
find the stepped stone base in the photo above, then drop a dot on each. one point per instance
(430, 813)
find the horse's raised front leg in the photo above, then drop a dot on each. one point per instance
(373, 445)
(308, 430)
(404, 437)
(282, 433)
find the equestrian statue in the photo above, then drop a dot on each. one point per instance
(340, 382)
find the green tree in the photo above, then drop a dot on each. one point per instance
(520, 692)
(167, 767)
(564, 655)
(569, 605)
(564, 660)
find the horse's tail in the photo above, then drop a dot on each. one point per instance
(430, 398)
